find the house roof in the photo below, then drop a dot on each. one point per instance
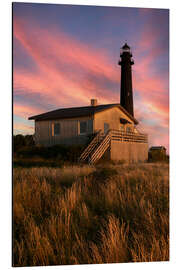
(157, 148)
(75, 112)
(125, 46)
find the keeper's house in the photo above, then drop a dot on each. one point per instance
(113, 125)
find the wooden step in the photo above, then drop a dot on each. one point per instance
(91, 146)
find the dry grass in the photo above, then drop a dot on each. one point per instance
(79, 215)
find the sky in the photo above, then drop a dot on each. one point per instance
(65, 55)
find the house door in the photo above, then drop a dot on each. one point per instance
(106, 128)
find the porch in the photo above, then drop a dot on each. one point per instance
(127, 146)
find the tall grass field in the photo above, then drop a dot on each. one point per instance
(91, 214)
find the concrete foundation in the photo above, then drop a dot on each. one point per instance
(130, 152)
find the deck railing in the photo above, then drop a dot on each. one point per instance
(123, 136)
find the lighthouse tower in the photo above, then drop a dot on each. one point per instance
(126, 62)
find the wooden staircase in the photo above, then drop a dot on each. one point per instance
(97, 147)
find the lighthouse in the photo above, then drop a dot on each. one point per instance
(126, 96)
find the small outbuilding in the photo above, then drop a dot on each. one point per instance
(157, 153)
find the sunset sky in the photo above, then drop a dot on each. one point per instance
(65, 55)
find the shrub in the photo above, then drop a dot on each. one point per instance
(19, 141)
(49, 156)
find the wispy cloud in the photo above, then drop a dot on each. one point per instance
(25, 111)
(22, 129)
(66, 68)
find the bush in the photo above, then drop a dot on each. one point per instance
(51, 156)
(20, 141)
(60, 151)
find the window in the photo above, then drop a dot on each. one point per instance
(83, 127)
(122, 128)
(56, 129)
(128, 129)
(135, 130)
(106, 128)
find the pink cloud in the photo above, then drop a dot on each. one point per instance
(22, 128)
(157, 135)
(152, 87)
(154, 94)
(54, 82)
(60, 48)
(25, 111)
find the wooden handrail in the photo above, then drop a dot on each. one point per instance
(90, 146)
(118, 135)
(100, 150)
